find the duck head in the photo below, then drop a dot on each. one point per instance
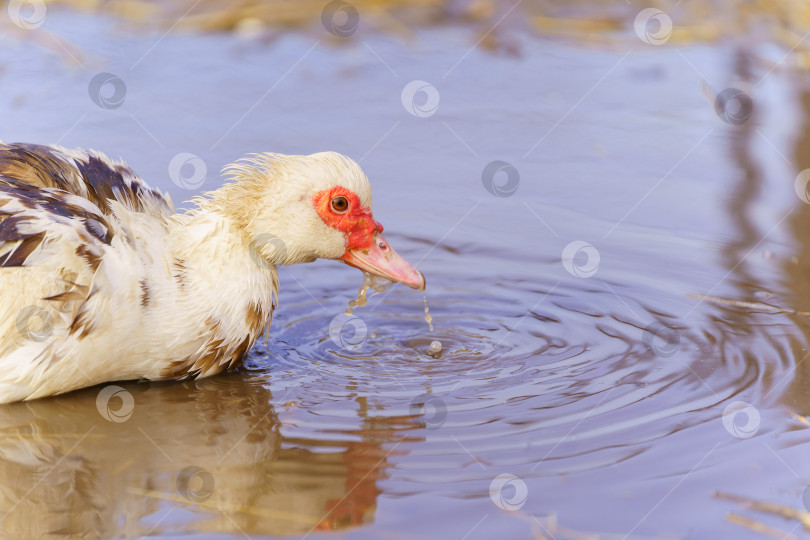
(296, 209)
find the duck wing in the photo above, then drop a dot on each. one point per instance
(35, 221)
(59, 218)
(87, 174)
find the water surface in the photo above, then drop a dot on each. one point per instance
(596, 375)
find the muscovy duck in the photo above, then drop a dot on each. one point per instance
(101, 280)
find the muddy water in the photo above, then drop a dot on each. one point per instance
(588, 297)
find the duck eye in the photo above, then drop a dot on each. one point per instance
(340, 204)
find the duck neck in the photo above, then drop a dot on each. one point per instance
(214, 264)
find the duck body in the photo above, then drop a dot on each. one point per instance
(101, 280)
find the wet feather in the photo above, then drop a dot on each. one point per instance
(79, 236)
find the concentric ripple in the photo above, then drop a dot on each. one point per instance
(548, 375)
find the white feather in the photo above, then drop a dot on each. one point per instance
(168, 295)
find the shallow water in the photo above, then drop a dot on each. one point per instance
(577, 352)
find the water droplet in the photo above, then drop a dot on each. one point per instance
(429, 317)
(435, 349)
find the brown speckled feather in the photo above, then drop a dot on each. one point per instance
(86, 174)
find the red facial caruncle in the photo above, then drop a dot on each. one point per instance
(353, 219)
(366, 249)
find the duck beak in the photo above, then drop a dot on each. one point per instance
(381, 260)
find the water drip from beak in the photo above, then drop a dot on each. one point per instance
(428, 316)
(376, 283)
(379, 285)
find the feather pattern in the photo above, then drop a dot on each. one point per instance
(103, 281)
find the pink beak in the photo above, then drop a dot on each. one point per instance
(381, 260)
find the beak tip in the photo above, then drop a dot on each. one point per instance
(415, 281)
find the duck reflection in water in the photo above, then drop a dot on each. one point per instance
(207, 455)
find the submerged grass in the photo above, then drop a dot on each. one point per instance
(787, 512)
